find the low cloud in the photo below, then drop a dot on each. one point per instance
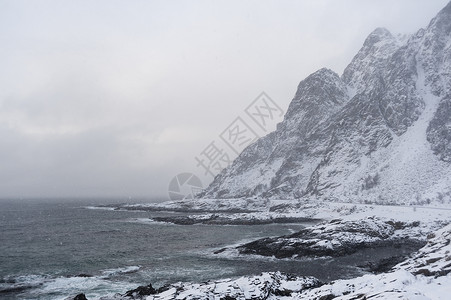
(115, 99)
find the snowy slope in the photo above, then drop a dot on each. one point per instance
(425, 276)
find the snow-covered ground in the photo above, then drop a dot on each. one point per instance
(234, 210)
(201, 205)
(424, 276)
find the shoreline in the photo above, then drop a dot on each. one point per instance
(338, 229)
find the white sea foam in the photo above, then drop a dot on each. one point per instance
(149, 221)
(122, 270)
(93, 287)
(61, 287)
(99, 208)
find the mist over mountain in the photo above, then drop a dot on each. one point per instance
(380, 132)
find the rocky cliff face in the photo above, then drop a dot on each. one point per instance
(381, 132)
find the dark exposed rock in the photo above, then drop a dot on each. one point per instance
(333, 239)
(80, 297)
(228, 298)
(283, 248)
(327, 297)
(222, 220)
(84, 275)
(141, 291)
(439, 130)
(384, 265)
(282, 293)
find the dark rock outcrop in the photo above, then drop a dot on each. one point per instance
(141, 291)
(80, 297)
(333, 239)
(225, 220)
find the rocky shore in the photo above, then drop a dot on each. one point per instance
(225, 219)
(348, 230)
(428, 260)
(424, 275)
(197, 206)
(337, 238)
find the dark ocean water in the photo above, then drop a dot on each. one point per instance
(54, 249)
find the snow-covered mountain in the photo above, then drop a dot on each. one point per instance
(381, 132)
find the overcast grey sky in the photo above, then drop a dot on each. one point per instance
(114, 98)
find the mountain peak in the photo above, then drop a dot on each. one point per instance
(318, 87)
(446, 9)
(372, 58)
(377, 35)
(319, 94)
(442, 22)
(318, 78)
(324, 71)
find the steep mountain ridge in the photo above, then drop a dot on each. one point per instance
(381, 132)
